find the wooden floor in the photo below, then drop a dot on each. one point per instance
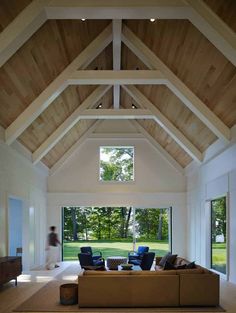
(30, 282)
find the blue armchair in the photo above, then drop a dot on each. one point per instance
(89, 250)
(86, 259)
(137, 255)
(146, 262)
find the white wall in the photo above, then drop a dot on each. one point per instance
(21, 180)
(156, 184)
(215, 178)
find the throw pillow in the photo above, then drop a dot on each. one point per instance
(169, 258)
(180, 267)
(168, 266)
(164, 259)
(191, 265)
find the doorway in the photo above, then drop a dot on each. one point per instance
(15, 225)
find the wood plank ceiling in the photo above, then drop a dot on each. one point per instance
(181, 46)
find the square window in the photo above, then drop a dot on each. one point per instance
(116, 164)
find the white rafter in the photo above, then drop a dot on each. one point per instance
(73, 149)
(141, 77)
(116, 30)
(170, 128)
(196, 11)
(166, 155)
(60, 132)
(213, 28)
(57, 86)
(176, 85)
(22, 28)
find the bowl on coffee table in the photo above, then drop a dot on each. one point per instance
(126, 266)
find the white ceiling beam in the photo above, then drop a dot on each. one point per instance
(65, 127)
(166, 155)
(176, 85)
(116, 136)
(21, 29)
(111, 114)
(73, 149)
(109, 77)
(170, 128)
(213, 28)
(116, 30)
(57, 86)
(118, 9)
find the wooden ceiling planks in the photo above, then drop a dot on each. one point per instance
(129, 61)
(225, 9)
(177, 42)
(40, 60)
(179, 115)
(166, 142)
(194, 60)
(66, 142)
(54, 116)
(9, 9)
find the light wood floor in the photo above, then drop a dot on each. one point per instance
(30, 282)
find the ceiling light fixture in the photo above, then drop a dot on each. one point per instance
(152, 20)
(134, 106)
(99, 106)
(83, 19)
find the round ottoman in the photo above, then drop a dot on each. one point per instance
(114, 261)
(69, 294)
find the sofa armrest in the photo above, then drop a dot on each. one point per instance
(199, 289)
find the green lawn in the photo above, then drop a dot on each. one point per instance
(111, 248)
(219, 257)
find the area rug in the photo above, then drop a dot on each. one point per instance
(47, 300)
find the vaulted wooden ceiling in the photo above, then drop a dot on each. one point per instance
(184, 83)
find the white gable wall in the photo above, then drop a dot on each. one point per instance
(156, 184)
(19, 179)
(217, 177)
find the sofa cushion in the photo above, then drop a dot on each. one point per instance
(168, 258)
(180, 267)
(180, 261)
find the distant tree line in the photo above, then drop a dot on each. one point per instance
(109, 223)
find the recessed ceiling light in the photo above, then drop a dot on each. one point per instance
(152, 20)
(83, 19)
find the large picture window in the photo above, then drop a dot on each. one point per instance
(115, 231)
(218, 235)
(116, 164)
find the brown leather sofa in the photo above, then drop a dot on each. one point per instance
(159, 288)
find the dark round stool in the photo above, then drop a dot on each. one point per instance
(69, 294)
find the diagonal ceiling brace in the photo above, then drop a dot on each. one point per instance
(170, 128)
(176, 85)
(64, 128)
